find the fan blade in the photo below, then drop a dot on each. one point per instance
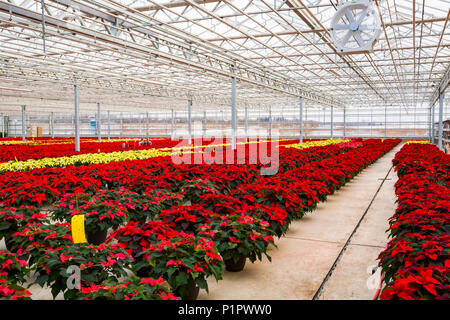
(367, 28)
(349, 15)
(346, 38)
(341, 27)
(358, 38)
(363, 15)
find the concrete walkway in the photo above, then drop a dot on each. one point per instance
(300, 267)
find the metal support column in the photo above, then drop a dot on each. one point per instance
(305, 120)
(429, 124)
(76, 119)
(301, 119)
(270, 122)
(109, 125)
(23, 124)
(233, 110)
(189, 122)
(3, 125)
(98, 122)
(332, 123)
(172, 126)
(385, 121)
(345, 122)
(52, 125)
(441, 114)
(246, 123)
(146, 125)
(432, 125)
(204, 124)
(121, 124)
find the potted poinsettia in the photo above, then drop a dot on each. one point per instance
(12, 267)
(186, 218)
(13, 271)
(193, 190)
(274, 214)
(100, 214)
(272, 192)
(13, 291)
(183, 260)
(96, 264)
(225, 205)
(12, 219)
(134, 236)
(35, 237)
(132, 288)
(238, 237)
(141, 207)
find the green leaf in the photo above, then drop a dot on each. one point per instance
(55, 290)
(41, 280)
(201, 282)
(181, 279)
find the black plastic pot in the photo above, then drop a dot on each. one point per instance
(143, 272)
(97, 237)
(232, 266)
(191, 293)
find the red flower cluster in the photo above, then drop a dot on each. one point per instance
(132, 288)
(12, 271)
(416, 262)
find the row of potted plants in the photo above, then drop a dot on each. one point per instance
(23, 152)
(60, 147)
(211, 219)
(416, 262)
(42, 186)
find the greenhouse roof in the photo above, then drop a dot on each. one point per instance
(278, 50)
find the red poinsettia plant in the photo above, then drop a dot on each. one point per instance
(96, 264)
(182, 259)
(187, 218)
(193, 190)
(12, 273)
(240, 235)
(100, 211)
(12, 219)
(221, 204)
(35, 237)
(145, 206)
(131, 288)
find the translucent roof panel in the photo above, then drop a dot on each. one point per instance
(191, 48)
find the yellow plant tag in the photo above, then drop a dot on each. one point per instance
(78, 233)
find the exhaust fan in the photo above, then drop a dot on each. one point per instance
(355, 27)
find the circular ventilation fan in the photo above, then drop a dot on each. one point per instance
(355, 27)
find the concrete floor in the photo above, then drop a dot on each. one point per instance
(308, 251)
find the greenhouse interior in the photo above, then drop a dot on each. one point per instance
(224, 150)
